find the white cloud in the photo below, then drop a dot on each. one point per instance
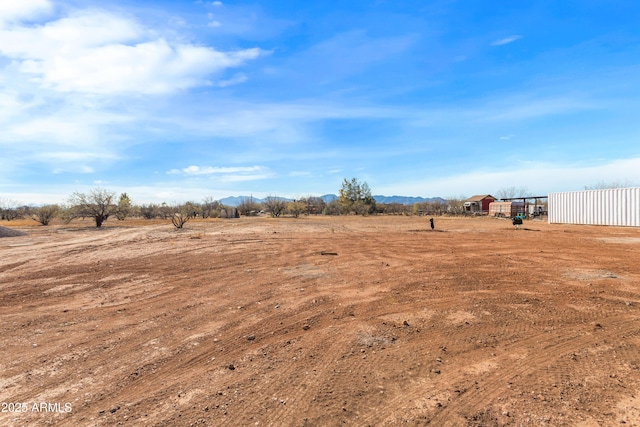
(300, 174)
(11, 10)
(507, 137)
(226, 174)
(10, 106)
(539, 178)
(97, 52)
(238, 78)
(148, 68)
(66, 128)
(508, 108)
(210, 170)
(66, 36)
(244, 178)
(282, 123)
(75, 168)
(525, 108)
(506, 40)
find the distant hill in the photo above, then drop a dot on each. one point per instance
(236, 200)
(407, 200)
(328, 198)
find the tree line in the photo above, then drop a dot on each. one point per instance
(100, 204)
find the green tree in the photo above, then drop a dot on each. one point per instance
(124, 207)
(356, 197)
(296, 207)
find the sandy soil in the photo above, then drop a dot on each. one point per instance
(320, 321)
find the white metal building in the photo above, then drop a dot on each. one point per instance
(616, 206)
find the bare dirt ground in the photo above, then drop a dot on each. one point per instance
(320, 321)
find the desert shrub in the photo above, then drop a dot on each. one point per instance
(45, 214)
(182, 214)
(296, 208)
(248, 207)
(333, 208)
(314, 205)
(149, 211)
(210, 208)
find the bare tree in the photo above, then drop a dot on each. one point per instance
(248, 206)
(182, 214)
(45, 214)
(98, 204)
(601, 185)
(455, 205)
(395, 208)
(275, 205)
(210, 208)
(315, 205)
(511, 192)
(165, 211)
(9, 210)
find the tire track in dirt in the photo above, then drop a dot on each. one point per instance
(239, 329)
(543, 350)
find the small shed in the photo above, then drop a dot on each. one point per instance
(478, 204)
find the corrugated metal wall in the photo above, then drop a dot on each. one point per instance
(618, 206)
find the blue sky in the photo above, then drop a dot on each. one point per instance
(182, 100)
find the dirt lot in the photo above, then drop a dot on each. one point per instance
(320, 321)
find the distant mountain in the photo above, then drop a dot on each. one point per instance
(236, 200)
(328, 198)
(407, 200)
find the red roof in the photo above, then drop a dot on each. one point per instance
(480, 198)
